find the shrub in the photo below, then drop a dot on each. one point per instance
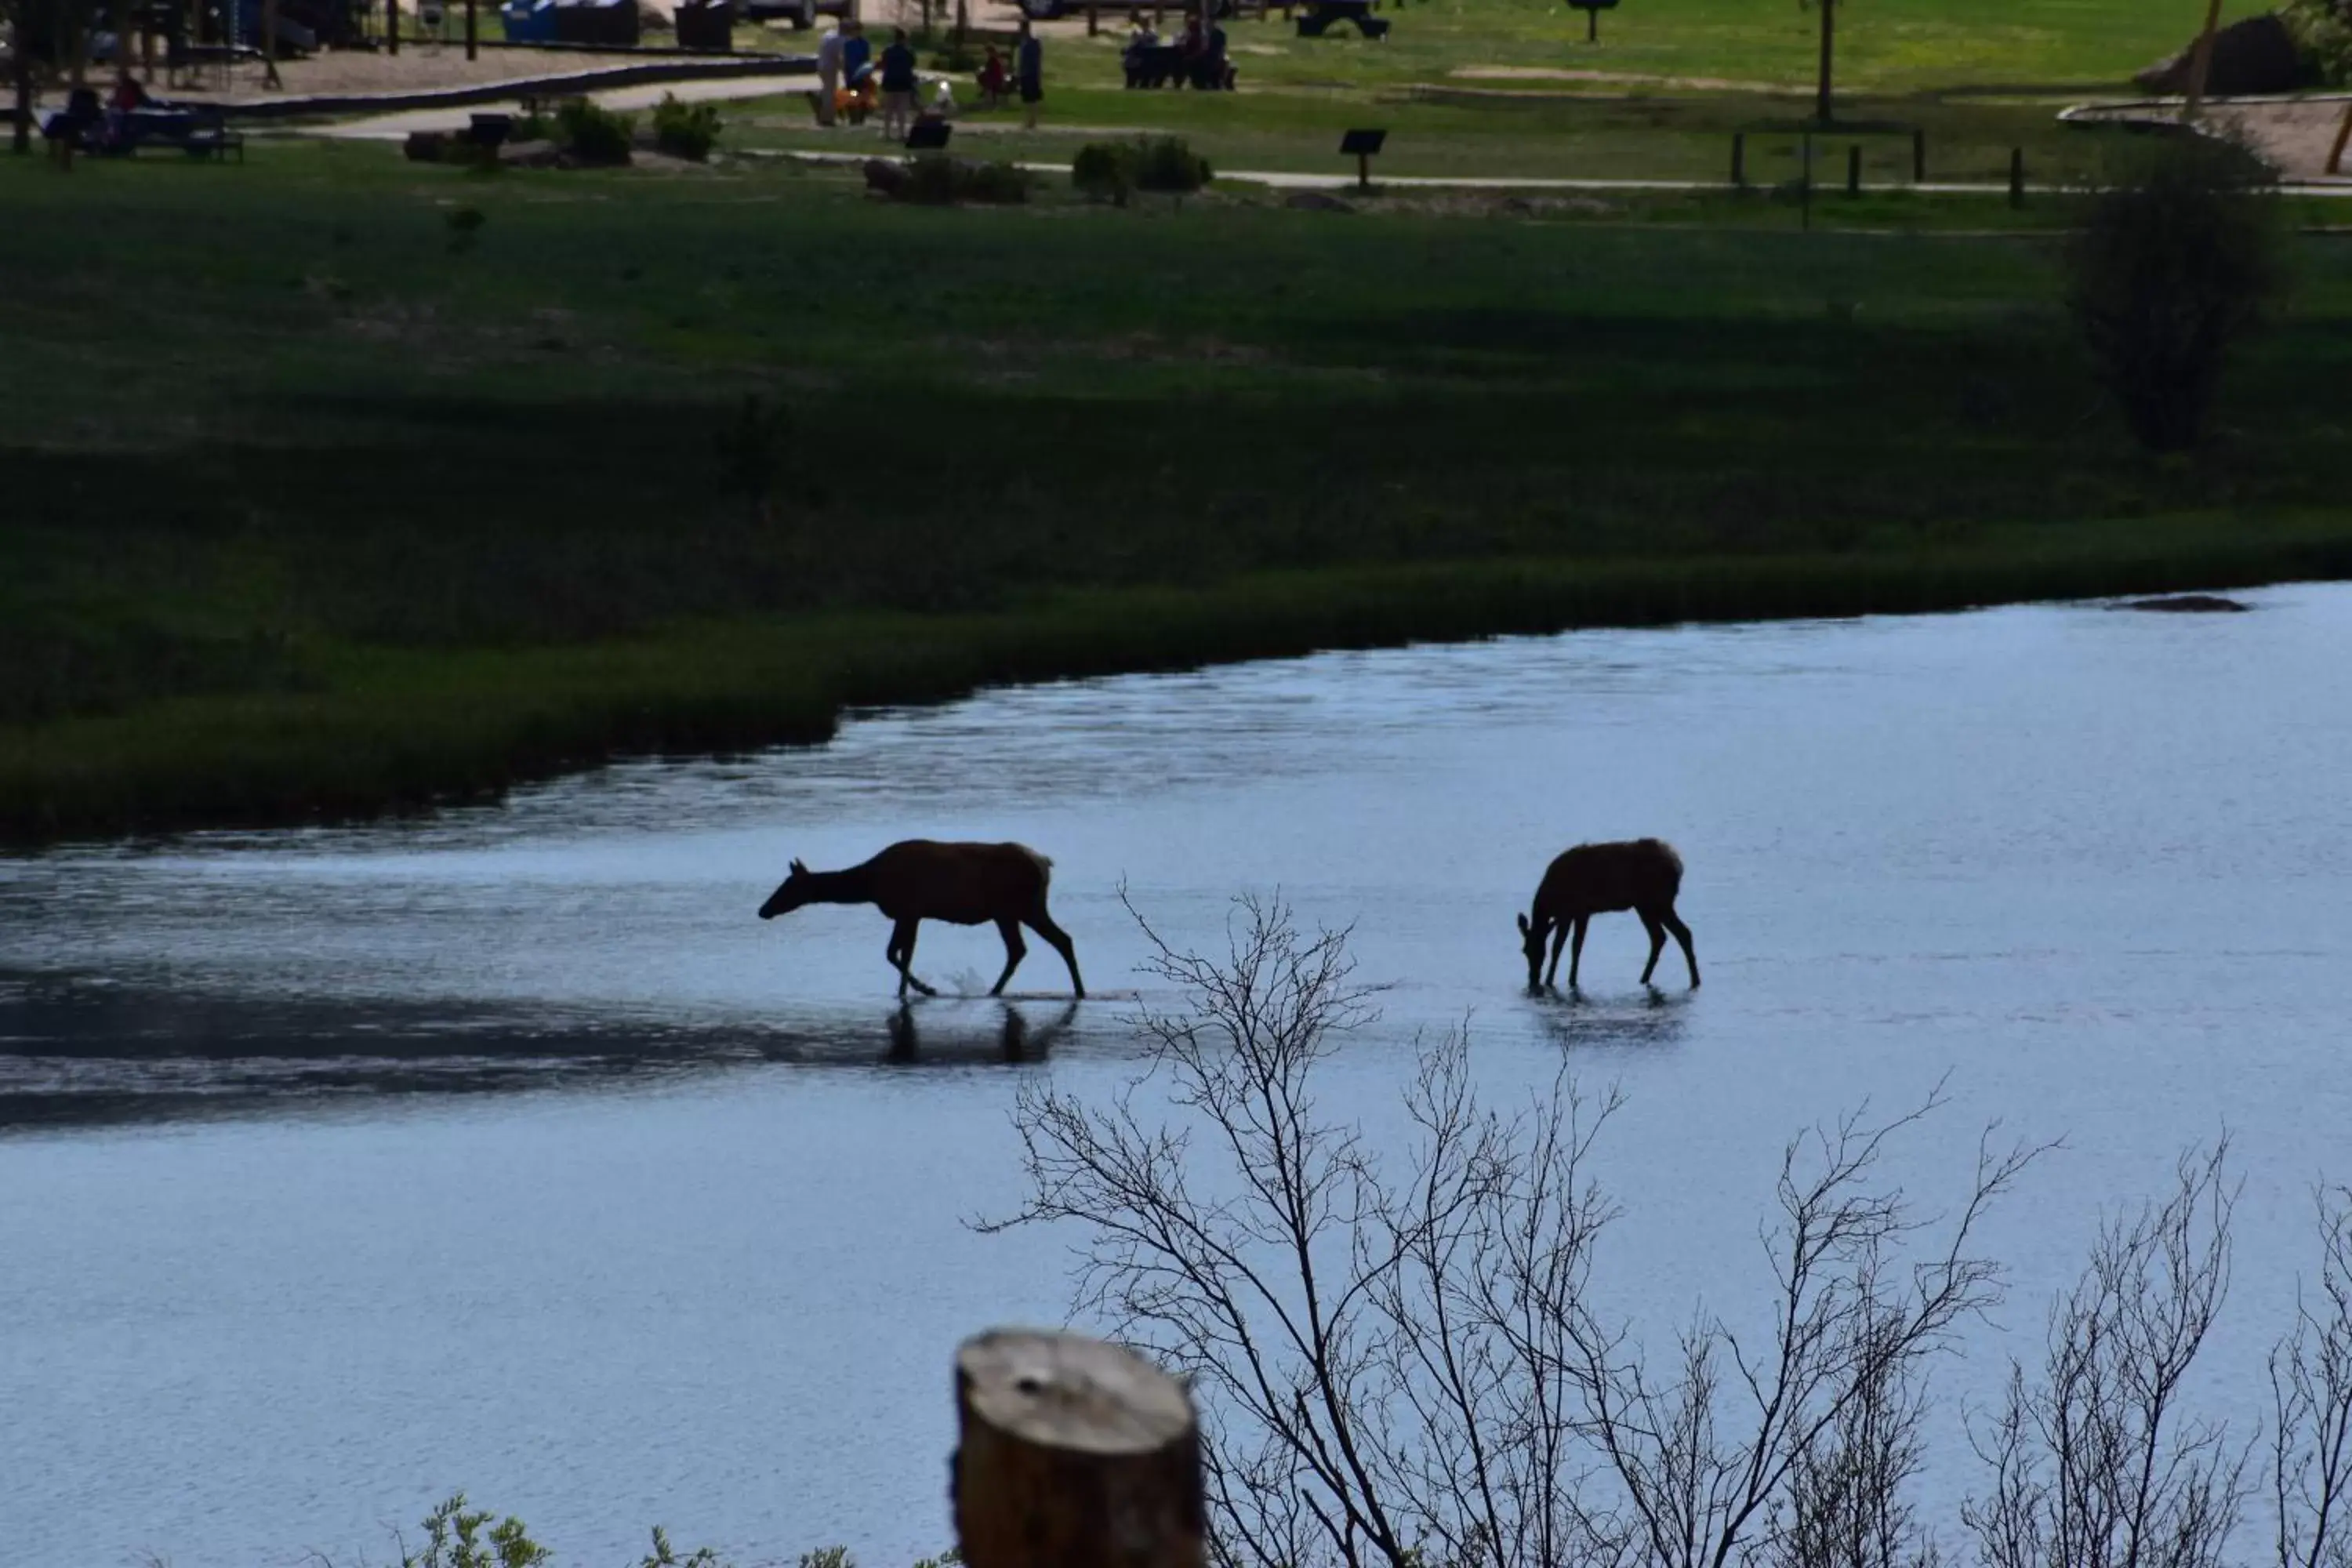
(937, 179)
(594, 135)
(2175, 262)
(958, 59)
(453, 1540)
(2323, 31)
(1109, 170)
(1169, 163)
(685, 130)
(1104, 170)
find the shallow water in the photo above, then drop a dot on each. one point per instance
(508, 1151)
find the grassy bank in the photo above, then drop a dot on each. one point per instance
(318, 503)
(390, 730)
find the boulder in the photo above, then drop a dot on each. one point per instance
(1316, 202)
(887, 176)
(425, 146)
(2255, 56)
(2188, 605)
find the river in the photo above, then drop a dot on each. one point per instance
(505, 1149)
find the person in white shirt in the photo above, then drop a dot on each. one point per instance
(828, 73)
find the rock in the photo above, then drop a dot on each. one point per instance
(1316, 202)
(2189, 604)
(528, 154)
(2255, 56)
(425, 146)
(885, 175)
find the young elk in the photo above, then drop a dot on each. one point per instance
(920, 879)
(1642, 876)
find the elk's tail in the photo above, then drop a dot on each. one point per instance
(1673, 859)
(1045, 865)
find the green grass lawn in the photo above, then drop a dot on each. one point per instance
(1518, 136)
(1906, 46)
(313, 505)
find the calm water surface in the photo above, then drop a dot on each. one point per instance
(508, 1151)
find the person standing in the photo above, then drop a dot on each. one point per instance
(898, 86)
(828, 73)
(1029, 73)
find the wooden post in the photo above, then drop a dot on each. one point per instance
(1918, 156)
(2343, 135)
(392, 26)
(2017, 176)
(1805, 181)
(473, 31)
(1364, 171)
(1854, 170)
(269, 43)
(1740, 157)
(2201, 62)
(1073, 1453)
(1094, 22)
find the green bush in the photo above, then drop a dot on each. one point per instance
(1104, 170)
(685, 130)
(453, 1540)
(2323, 29)
(2175, 262)
(1109, 170)
(594, 135)
(1169, 163)
(937, 179)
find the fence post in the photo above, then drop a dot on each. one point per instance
(1918, 156)
(2017, 176)
(2343, 135)
(392, 26)
(1072, 1453)
(1094, 22)
(1740, 157)
(1854, 170)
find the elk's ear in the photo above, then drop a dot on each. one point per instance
(1523, 925)
(799, 869)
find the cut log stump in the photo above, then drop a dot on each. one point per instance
(1073, 1453)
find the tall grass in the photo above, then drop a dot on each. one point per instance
(404, 728)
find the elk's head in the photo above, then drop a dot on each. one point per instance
(790, 894)
(1531, 942)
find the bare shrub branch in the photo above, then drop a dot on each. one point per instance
(2311, 1401)
(2095, 1465)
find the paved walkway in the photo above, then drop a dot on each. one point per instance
(396, 127)
(1292, 180)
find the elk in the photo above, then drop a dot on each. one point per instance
(1643, 875)
(921, 879)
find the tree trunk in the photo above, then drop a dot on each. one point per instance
(22, 69)
(1073, 1454)
(2202, 63)
(1822, 107)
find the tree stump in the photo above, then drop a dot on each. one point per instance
(1073, 1453)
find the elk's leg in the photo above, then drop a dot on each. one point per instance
(1014, 950)
(1657, 942)
(902, 957)
(1558, 944)
(1681, 935)
(1059, 941)
(1575, 949)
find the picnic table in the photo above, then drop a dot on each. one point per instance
(1320, 16)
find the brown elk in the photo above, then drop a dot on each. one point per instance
(1643, 875)
(922, 880)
